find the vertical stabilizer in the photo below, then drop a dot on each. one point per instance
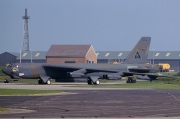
(139, 54)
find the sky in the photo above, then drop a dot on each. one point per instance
(108, 25)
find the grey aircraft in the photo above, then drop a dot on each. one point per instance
(136, 63)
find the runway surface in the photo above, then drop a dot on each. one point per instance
(100, 103)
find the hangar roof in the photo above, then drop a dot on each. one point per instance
(37, 55)
(164, 55)
(124, 54)
(112, 54)
(14, 53)
(68, 50)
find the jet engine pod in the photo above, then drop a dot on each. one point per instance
(114, 76)
(76, 74)
(143, 77)
(105, 77)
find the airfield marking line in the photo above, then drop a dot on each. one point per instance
(173, 96)
(45, 94)
(16, 111)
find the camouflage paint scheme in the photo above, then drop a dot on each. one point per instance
(136, 63)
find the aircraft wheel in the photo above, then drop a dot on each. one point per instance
(6, 81)
(97, 82)
(48, 82)
(40, 81)
(89, 82)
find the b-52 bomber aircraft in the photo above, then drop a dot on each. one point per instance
(136, 62)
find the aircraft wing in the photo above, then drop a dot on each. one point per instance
(94, 74)
(143, 70)
(75, 70)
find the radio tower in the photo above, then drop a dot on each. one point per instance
(26, 34)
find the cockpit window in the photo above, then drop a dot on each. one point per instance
(8, 65)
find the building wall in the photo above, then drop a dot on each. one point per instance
(29, 61)
(107, 61)
(104, 61)
(174, 63)
(6, 58)
(91, 56)
(64, 60)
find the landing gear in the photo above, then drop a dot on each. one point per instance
(40, 81)
(90, 82)
(97, 82)
(6, 81)
(48, 82)
(131, 80)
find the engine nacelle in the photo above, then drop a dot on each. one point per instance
(114, 76)
(75, 74)
(143, 77)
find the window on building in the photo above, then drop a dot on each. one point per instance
(107, 54)
(168, 54)
(37, 54)
(157, 54)
(24, 54)
(69, 62)
(120, 54)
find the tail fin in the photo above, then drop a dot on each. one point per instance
(139, 54)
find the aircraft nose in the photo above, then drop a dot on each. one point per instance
(5, 70)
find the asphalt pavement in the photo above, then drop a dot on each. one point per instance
(104, 103)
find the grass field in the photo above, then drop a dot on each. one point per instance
(17, 92)
(157, 84)
(3, 109)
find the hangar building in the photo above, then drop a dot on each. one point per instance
(171, 57)
(26, 57)
(31, 57)
(71, 54)
(8, 57)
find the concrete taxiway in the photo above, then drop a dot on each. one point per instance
(57, 86)
(93, 103)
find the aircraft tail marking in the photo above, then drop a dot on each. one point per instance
(139, 54)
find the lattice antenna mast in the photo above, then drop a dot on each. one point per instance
(26, 34)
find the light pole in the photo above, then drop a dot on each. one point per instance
(153, 56)
(31, 55)
(20, 57)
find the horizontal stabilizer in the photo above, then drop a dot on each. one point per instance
(152, 77)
